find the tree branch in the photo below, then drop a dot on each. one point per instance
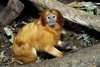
(77, 16)
(86, 57)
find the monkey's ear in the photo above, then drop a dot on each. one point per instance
(42, 20)
(62, 20)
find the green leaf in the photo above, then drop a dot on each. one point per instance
(97, 3)
(2, 54)
(38, 59)
(9, 33)
(23, 22)
(85, 44)
(75, 34)
(74, 47)
(87, 37)
(93, 40)
(87, 41)
(84, 35)
(91, 7)
(11, 47)
(91, 12)
(87, 4)
(80, 37)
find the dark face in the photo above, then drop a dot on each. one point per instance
(51, 18)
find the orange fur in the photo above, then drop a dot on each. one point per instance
(38, 36)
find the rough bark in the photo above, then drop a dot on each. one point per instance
(77, 16)
(88, 57)
(10, 12)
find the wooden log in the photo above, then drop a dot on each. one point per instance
(74, 15)
(10, 12)
(87, 57)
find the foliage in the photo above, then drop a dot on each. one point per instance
(9, 32)
(97, 3)
(85, 37)
(75, 34)
(92, 40)
(23, 22)
(3, 58)
(91, 7)
(38, 59)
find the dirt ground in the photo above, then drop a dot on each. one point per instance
(78, 37)
(73, 42)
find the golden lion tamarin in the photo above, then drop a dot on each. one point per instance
(41, 35)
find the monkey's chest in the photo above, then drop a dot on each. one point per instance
(48, 37)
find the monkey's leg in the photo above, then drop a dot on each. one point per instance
(53, 51)
(25, 53)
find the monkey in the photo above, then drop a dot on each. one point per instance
(42, 35)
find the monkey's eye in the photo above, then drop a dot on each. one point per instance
(48, 17)
(53, 16)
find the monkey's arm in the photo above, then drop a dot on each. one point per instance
(63, 44)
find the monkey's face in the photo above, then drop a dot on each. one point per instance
(51, 18)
